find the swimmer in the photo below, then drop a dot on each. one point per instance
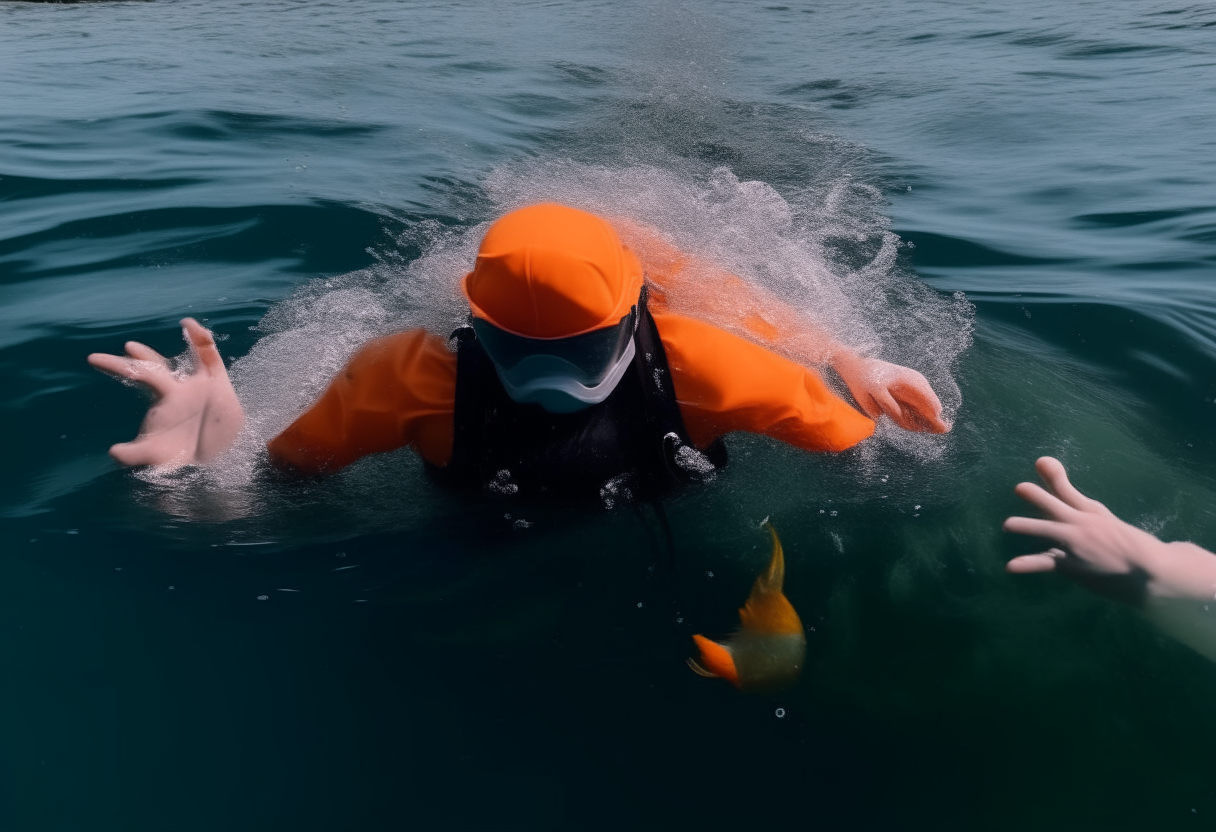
(1171, 584)
(574, 370)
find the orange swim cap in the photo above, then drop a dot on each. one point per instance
(550, 271)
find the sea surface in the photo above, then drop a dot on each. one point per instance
(1017, 199)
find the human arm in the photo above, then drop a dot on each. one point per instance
(395, 391)
(1170, 583)
(195, 415)
(692, 286)
(724, 383)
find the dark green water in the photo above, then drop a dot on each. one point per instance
(302, 176)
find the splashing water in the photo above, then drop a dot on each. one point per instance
(793, 249)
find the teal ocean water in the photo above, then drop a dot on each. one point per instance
(1017, 199)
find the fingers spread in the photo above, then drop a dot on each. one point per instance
(1034, 494)
(1027, 564)
(203, 345)
(142, 352)
(1059, 532)
(151, 374)
(1053, 473)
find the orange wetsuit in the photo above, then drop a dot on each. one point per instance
(401, 389)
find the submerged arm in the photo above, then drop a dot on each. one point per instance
(1171, 584)
(700, 289)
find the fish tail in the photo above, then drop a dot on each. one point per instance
(716, 660)
(767, 609)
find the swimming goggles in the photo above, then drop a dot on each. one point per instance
(584, 369)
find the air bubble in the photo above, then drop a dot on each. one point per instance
(780, 712)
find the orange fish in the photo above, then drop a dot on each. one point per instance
(768, 651)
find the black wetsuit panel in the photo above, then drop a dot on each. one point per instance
(633, 442)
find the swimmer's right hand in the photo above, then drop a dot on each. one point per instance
(194, 417)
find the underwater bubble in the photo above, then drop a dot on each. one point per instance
(780, 712)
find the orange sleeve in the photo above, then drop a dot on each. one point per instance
(398, 390)
(725, 383)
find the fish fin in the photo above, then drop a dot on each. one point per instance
(772, 579)
(716, 660)
(767, 610)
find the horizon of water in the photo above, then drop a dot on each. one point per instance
(1017, 201)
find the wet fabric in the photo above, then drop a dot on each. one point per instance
(632, 444)
(401, 391)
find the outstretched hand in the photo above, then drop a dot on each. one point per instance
(194, 417)
(1101, 552)
(903, 394)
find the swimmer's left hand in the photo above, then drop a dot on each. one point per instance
(880, 387)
